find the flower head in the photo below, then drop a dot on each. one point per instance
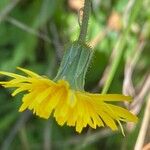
(75, 108)
(64, 98)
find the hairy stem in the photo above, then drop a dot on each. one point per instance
(85, 19)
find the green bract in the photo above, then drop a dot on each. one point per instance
(74, 65)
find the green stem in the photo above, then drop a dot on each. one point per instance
(120, 45)
(85, 19)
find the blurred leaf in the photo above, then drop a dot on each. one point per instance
(7, 120)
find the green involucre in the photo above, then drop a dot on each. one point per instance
(74, 65)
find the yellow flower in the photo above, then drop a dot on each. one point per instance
(68, 106)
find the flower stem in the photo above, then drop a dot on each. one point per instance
(85, 19)
(121, 44)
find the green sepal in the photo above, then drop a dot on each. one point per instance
(74, 65)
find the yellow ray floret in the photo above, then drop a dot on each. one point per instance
(74, 108)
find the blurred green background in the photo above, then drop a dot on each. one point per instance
(34, 35)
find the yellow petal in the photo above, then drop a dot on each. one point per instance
(27, 100)
(28, 72)
(79, 125)
(13, 75)
(61, 107)
(71, 98)
(25, 87)
(108, 120)
(110, 97)
(72, 117)
(123, 113)
(40, 96)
